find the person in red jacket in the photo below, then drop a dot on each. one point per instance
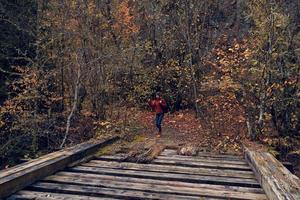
(158, 105)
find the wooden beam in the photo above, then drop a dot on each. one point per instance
(277, 182)
(18, 177)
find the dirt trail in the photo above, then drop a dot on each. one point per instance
(181, 131)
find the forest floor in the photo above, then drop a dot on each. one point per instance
(181, 131)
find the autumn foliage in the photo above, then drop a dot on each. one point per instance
(125, 21)
(229, 71)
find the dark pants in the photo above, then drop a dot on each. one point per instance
(158, 120)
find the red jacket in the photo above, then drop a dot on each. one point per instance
(158, 105)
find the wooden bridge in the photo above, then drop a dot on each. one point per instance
(76, 174)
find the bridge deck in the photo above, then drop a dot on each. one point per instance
(169, 176)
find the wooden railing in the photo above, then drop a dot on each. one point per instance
(20, 176)
(276, 180)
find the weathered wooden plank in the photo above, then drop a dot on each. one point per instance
(170, 169)
(239, 161)
(218, 158)
(201, 164)
(183, 163)
(276, 180)
(171, 152)
(205, 160)
(106, 192)
(29, 164)
(154, 181)
(25, 194)
(18, 179)
(205, 190)
(110, 181)
(169, 176)
(223, 156)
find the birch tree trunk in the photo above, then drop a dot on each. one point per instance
(74, 107)
(267, 70)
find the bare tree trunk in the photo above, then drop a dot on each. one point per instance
(62, 89)
(190, 54)
(249, 128)
(36, 66)
(238, 18)
(74, 107)
(267, 71)
(195, 89)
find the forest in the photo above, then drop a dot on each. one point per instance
(74, 70)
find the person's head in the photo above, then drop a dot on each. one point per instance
(157, 95)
